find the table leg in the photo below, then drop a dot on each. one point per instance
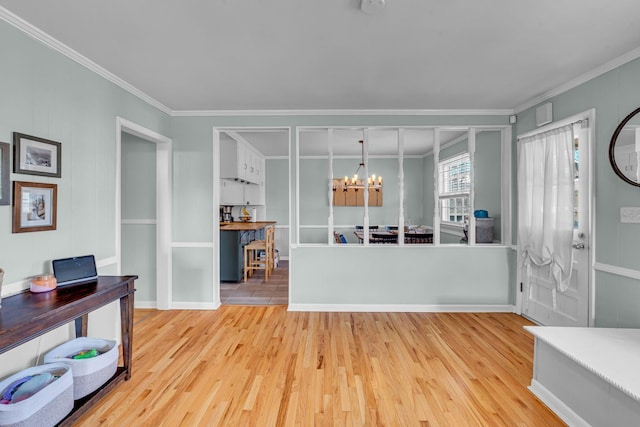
(81, 325)
(126, 325)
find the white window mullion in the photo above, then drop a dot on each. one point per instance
(365, 139)
(471, 231)
(436, 187)
(330, 228)
(401, 186)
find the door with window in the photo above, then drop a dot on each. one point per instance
(541, 300)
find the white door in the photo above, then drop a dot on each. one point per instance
(572, 306)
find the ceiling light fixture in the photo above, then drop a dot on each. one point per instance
(354, 182)
(372, 6)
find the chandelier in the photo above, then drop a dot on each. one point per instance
(373, 181)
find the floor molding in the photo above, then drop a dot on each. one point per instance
(556, 405)
(406, 308)
(194, 305)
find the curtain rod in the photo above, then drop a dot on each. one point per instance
(552, 126)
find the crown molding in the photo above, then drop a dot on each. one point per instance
(345, 112)
(62, 48)
(590, 75)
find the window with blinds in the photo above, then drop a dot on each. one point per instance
(455, 183)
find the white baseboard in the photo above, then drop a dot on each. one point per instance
(565, 413)
(408, 308)
(195, 305)
(145, 304)
(179, 305)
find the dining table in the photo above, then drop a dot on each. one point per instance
(387, 236)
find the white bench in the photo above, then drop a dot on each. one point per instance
(588, 376)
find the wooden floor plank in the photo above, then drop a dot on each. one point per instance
(264, 366)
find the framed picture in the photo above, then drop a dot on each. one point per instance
(36, 156)
(34, 206)
(5, 191)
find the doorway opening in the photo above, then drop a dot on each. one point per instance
(252, 182)
(159, 215)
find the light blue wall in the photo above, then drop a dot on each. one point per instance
(193, 209)
(613, 95)
(45, 94)
(277, 190)
(139, 203)
(407, 275)
(48, 95)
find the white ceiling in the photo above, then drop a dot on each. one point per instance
(328, 54)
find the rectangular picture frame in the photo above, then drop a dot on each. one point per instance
(5, 185)
(36, 156)
(34, 206)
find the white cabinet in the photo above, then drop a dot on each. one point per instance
(240, 162)
(234, 193)
(254, 194)
(231, 193)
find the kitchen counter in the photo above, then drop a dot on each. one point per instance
(244, 226)
(233, 238)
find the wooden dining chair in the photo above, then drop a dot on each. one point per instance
(259, 255)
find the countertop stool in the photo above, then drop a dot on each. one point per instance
(259, 254)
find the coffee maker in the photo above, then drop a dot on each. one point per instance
(225, 214)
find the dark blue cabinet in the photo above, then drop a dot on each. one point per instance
(232, 245)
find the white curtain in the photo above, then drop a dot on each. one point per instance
(545, 203)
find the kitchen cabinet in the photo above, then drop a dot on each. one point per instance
(231, 193)
(240, 162)
(234, 193)
(232, 245)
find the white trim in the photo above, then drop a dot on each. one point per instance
(563, 411)
(618, 271)
(346, 112)
(15, 287)
(215, 238)
(405, 308)
(138, 222)
(105, 262)
(192, 244)
(65, 50)
(164, 161)
(145, 304)
(590, 75)
(506, 176)
(195, 305)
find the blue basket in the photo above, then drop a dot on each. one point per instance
(481, 213)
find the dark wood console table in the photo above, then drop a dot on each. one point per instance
(28, 315)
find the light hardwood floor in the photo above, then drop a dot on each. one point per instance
(264, 366)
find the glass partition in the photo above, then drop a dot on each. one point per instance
(313, 158)
(453, 169)
(450, 190)
(487, 180)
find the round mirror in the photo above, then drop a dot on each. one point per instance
(624, 149)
